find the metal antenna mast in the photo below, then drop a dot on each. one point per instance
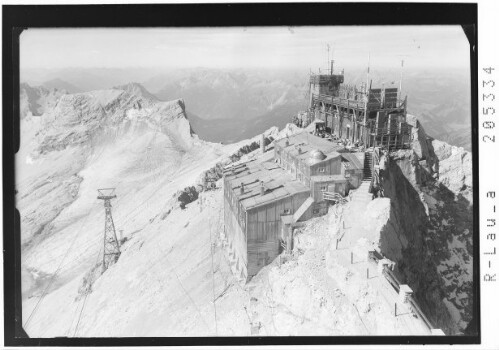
(327, 62)
(111, 251)
(401, 75)
(368, 71)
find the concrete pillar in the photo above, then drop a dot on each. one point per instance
(262, 143)
(382, 264)
(404, 293)
(370, 255)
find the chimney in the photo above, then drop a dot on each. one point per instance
(287, 141)
(299, 150)
(242, 188)
(262, 143)
(262, 189)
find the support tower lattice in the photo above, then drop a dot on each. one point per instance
(111, 250)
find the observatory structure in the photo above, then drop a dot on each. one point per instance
(373, 117)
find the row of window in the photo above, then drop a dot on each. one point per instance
(303, 178)
(237, 207)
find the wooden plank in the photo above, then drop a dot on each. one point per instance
(262, 214)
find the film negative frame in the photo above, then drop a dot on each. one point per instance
(484, 133)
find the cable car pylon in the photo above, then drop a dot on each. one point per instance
(111, 250)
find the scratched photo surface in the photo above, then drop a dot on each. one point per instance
(246, 181)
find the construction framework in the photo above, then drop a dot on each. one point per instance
(373, 117)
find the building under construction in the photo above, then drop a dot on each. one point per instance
(264, 198)
(372, 117)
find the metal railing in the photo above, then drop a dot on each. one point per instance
(392, 279)
(359, 104)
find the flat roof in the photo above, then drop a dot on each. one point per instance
(306, 143)
(277, 182)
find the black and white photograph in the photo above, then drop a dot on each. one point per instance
(246, 181)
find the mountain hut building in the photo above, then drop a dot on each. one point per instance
(266, 196)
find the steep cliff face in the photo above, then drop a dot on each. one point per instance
(429, 231)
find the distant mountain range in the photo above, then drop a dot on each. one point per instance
(214, 94)
(59, 84)
(232, 105)
(441, 100)
(233, 130)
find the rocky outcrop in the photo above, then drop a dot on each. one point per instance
(137, 89)
(429, 230)
(455, 168)
(37, 100)
(80, 118)
(44, 201)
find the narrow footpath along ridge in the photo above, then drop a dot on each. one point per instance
(359, 224)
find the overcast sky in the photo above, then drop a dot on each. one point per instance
(266, 47)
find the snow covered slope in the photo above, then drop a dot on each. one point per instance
(118, 138)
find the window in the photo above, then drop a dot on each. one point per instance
(323, 187)
(321, 170)
(287, 211)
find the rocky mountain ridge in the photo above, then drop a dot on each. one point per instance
(429, 231)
